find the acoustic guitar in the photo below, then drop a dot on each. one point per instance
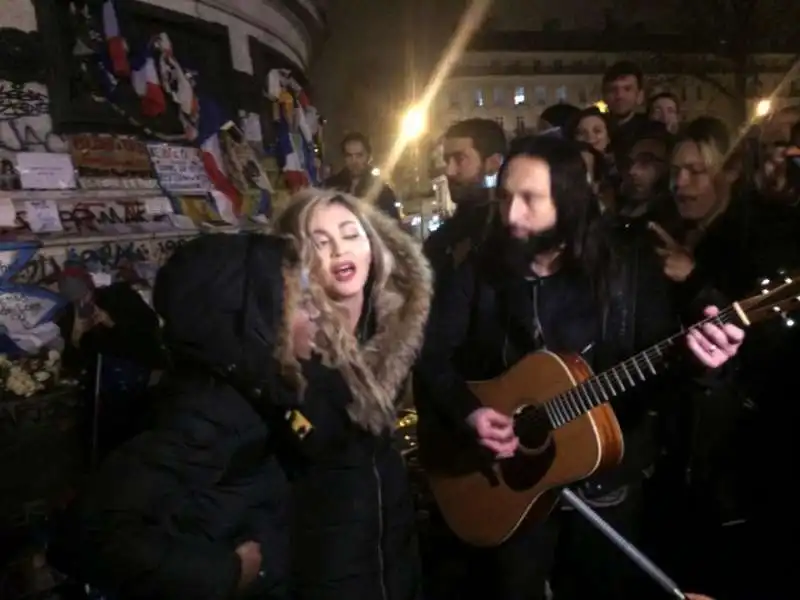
(567, 429)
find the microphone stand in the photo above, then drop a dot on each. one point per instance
(631, 551)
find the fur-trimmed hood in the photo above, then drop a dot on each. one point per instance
(379, 367)
(227, 303)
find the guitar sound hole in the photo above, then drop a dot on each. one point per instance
(536, 453)
(532, 428)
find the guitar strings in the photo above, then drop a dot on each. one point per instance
(563, 409)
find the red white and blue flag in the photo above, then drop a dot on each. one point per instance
(117, 46)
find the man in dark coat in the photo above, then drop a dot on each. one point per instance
(357, 179)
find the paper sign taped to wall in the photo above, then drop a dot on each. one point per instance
(45, 171)
(42, 216)
(8, 214)
(158, 206)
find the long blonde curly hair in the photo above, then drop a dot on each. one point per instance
(335, 342)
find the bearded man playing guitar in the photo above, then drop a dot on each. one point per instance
(550, 277)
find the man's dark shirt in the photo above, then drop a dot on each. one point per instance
(461, 234)
(386, 200)
(625, 135)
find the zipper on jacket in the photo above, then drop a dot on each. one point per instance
(538, 330)
(381, 566)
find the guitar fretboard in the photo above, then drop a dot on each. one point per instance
(619, 379)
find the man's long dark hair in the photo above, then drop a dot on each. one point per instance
(579, 226)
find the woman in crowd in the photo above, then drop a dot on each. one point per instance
(270, 470)
(590, 126)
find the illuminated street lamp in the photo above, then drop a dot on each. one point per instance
(601, 106)
(763, 108)
(413, 124)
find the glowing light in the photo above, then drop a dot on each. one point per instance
(763, 108)
(413, 124)
(376, 172)
(601, 106)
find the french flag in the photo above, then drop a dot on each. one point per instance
(117, 47)
(144, 79)
(211, 123)
(295, 176)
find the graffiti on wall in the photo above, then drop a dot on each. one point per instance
(25, 124)
(133, 261)
(102, 217)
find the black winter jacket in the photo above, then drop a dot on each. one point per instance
(222, 465)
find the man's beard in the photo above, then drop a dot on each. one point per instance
(466, 194)
(523, 251)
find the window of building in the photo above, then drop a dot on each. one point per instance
(561, 94)
(519, 96)
(479, 99)
(498, 96)
(540, 95)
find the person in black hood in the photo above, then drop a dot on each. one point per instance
(270, 472)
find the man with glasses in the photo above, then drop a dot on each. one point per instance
(645, 178)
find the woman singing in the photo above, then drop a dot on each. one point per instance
(270, 470)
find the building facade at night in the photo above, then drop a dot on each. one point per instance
(512, 77)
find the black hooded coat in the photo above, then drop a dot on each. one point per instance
(221, 465)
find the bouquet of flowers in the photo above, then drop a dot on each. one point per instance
(25, 376)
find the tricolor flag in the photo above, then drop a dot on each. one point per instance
(144, 79)
(117, 47)
(211, 123)
(289, 158)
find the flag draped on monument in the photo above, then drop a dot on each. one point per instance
(297, 125)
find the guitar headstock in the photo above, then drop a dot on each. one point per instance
(779, 297)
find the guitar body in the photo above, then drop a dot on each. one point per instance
(484, 500)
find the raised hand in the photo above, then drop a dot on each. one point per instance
(677, 259)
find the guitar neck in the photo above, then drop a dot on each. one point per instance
(621, 378)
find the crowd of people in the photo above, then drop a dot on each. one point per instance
(679, 214)
(269, 471)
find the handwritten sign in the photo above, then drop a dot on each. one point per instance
(42, 216)
(179, 169)
(108, 162)
(45, 171)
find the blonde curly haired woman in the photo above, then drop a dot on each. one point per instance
(270, 472)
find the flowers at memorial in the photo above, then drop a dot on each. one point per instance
(27, 376)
